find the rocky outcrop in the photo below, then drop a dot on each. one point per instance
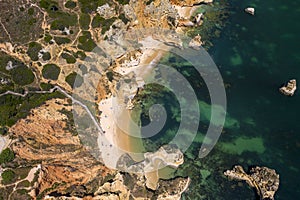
(290, 88)
(250, 10)
(196, 42)
(263, 179)
(166, 156)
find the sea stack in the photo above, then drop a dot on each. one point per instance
(250, 10)
(290, 88)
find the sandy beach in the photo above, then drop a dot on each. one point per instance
(115, 142)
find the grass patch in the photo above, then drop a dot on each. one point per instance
(51, 71)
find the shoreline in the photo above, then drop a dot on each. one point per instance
(113, 134)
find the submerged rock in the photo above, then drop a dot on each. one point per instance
(250, 10)
(263, 179)
(290, 88)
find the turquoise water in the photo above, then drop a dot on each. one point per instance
(255, 55)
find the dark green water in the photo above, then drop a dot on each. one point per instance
(255, 55)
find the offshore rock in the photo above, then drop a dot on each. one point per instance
(290, 88)
(250, 10)
(263, 179)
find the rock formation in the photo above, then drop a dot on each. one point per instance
(196, 42)
(290, 88)
(166, 156)
(263, 179)
(250, 10)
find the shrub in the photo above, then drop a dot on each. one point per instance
(84, 21)
(51, 71)
(74, 80)
(33, 50)
(70, 4)
(22, 75)
(6, 156)
(8, 176)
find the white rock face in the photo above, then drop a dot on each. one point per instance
(290, 88)
(250, 10)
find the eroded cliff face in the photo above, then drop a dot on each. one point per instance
(67, 169)
(46, 137)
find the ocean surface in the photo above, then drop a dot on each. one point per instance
(255, 55)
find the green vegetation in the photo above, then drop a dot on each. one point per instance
(74, 80)
(123, 2)
(8, 176)
(3, 131)
(105, 24)
(13, 108)
(84, 21)
(30, 11)
(149, 2)
(69, 121)
(70, 4)
(48, 4)
(51, 71)
(33, 50)
(46, 86)
(22, 75)
(88, 6)
(69, 58)
(62, 40)
(61, 19)
(7, 155)
(80, 54)
(110, 76)
(47, 38)
(24, 183)
(97, 20)
(86, 42)
(5, 192)
(46, 56)
(123, 18)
